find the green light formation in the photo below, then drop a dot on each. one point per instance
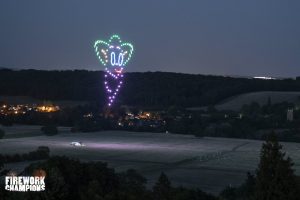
(103, 49)
(116, 55)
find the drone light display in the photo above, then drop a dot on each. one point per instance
(114, 55)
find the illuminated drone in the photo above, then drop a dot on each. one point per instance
(114, 55)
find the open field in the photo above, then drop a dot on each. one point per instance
(236, 102)
(27, 131)
(208, 163)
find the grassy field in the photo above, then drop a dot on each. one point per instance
(20, 131)
(207, 163)
(236, 102)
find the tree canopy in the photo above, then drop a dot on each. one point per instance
(140, 89)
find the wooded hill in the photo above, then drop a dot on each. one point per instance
(151, 89)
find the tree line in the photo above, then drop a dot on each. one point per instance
(152, 89)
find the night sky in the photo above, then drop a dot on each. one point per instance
(222, 37)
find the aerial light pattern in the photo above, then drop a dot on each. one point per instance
(114, 55)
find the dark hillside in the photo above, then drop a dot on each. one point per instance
(143, 89)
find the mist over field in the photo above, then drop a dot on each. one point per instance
(210, 164)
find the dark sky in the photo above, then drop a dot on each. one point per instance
(224, 37)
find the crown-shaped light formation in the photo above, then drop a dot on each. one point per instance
(114, 55)
(113, 52)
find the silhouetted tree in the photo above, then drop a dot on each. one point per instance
(182, 193)
(133, 186)
(275, 178)
(162, 189)
(246, 190)
(68, 179)
(229, 193)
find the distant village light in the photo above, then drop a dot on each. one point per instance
(48, 108)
